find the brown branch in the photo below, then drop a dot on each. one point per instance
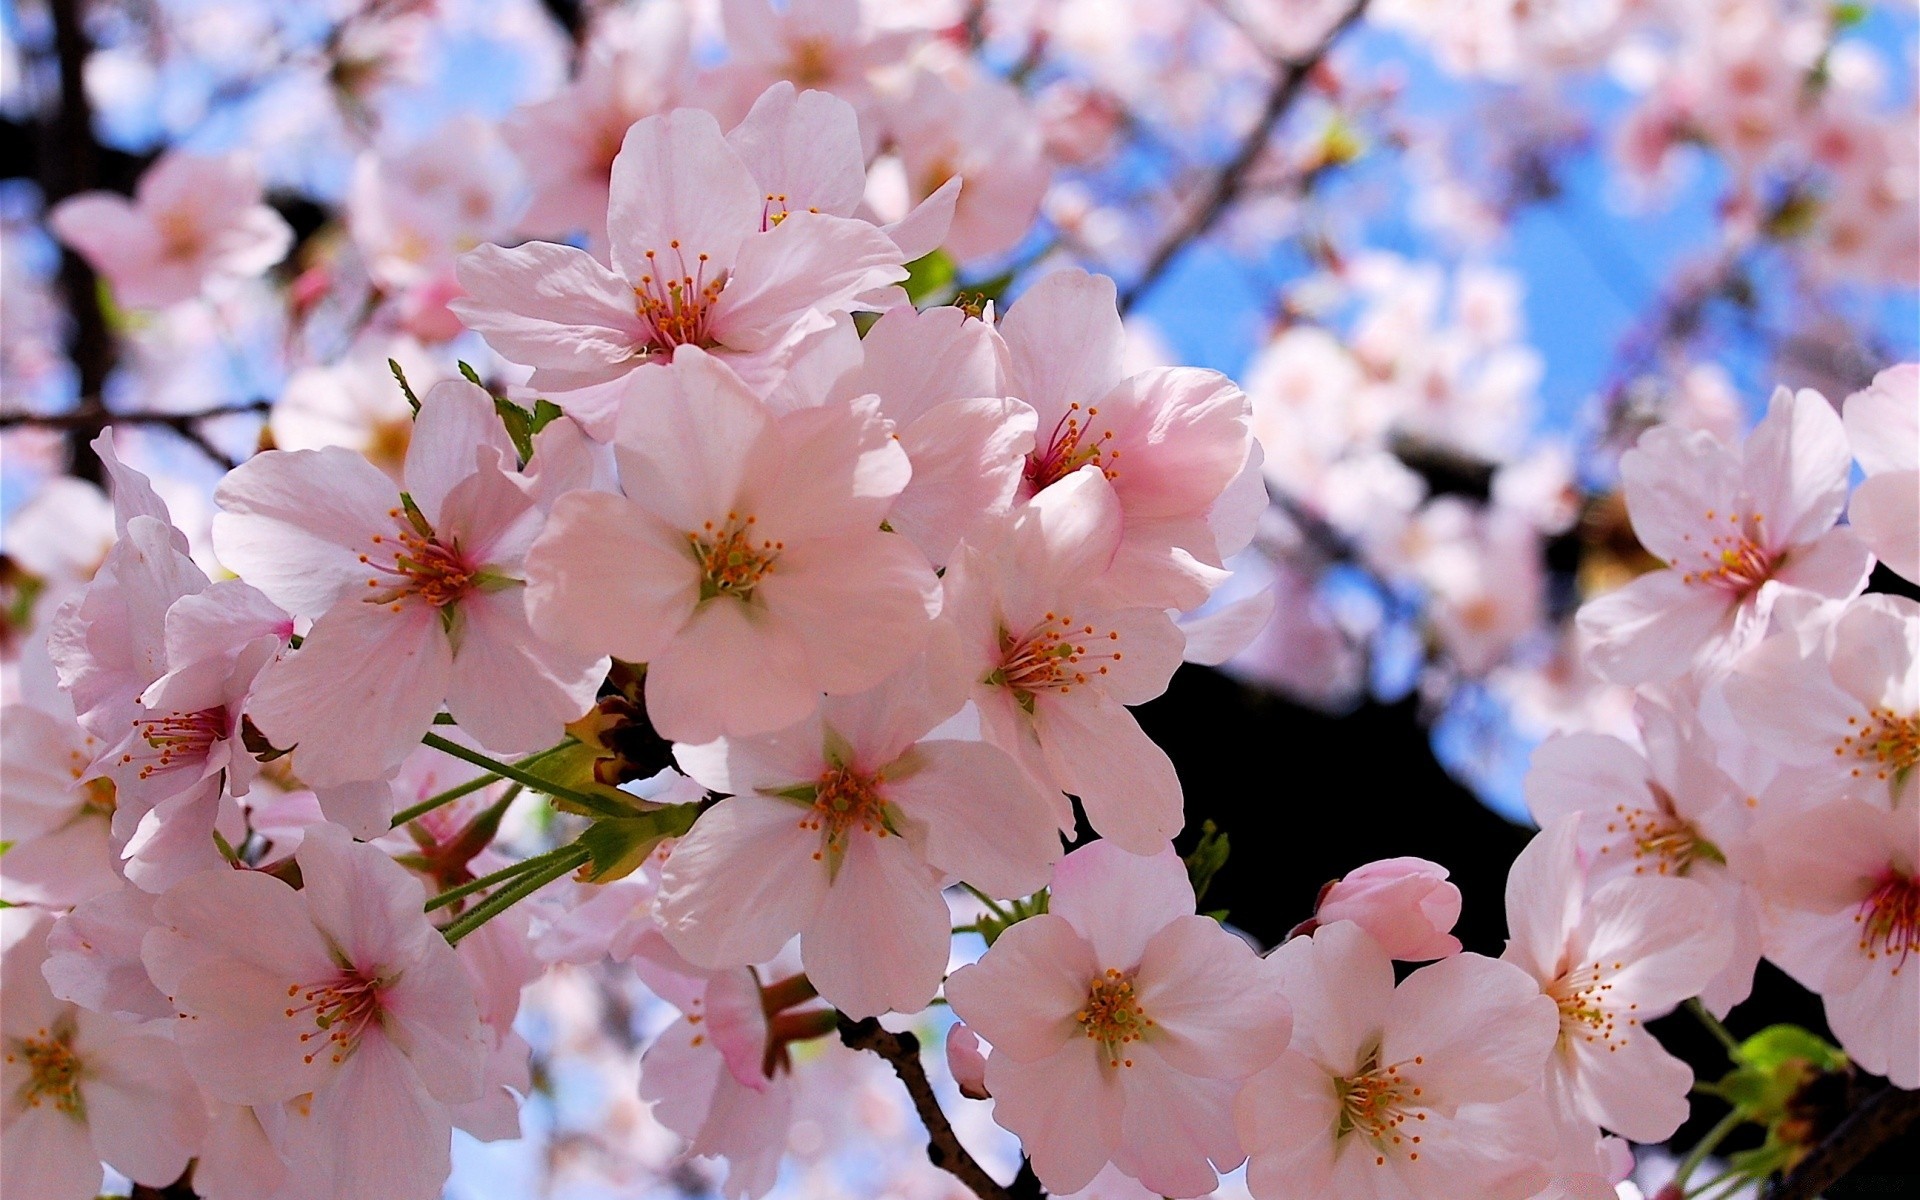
(1886, 1115)
(1232, 175)
(902, 1052)
(85, 423)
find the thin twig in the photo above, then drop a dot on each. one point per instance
(902, 1052)
(1886, 1115)
(1231, 177)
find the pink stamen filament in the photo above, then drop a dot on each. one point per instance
(1736, 561)
(1056, 655)
(1112, 1016)
(1376, 1102)
(421, 566)
(341, 1009)
(1889, 919)
(1067, 450)
(177, 739)
(676, 308)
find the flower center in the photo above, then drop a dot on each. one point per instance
(1889, 919)
(1071, 447)
(676, 303)
(812, 63)
(1658, 839)
(1376, 1102)
(339, 1009)
(53, 1070)
(177, 739)
(1054, 656)
(421, 565)
(1888, 741)
(1586, 1013)
(730, 562)
(1112, 1016)
(1734, 561)
(179, 234)
(842, 802)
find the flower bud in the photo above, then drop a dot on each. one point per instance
(1406, 904)
(965, 1060)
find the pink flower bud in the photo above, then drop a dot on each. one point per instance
(965, 1060)
(1405, 903)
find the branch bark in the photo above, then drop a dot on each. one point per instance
(85, 423)
(902, 1052)
(1228, 181)
(1886, 1115)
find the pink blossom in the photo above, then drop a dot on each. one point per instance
(1728, 522)
(415, 597)
(849, 824)
(1417, 1091)
(790, 589)
(702, 255)
(1883, 423)
(1843, 879)
(973, 126)
(77, 1088)
(826, 44)
(1406, 904)
(1169, 441)
(193, 220)
(1611, 962)
(1122, 1025)
(342, 990)
(1052, 665)
(55, 815)
(967, 1061)
(1841, 710)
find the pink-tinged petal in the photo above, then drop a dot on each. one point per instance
(1406, 904)
(808, 262)
(734, 670)
(607, 577)
(1340, 983)
(175, 838)
(364, 903)
(430, 1016)
(1545, 887)
(1827, 858)
(510, 689)
(489, 517)
(1150, 645)
(736, 1020)
(768, 762)
(1216, 1006)
(1153, 565)
(915, 361)
(1483, 1026)
(1585, 772)
(1174, 1124)
(803, 150)
(238, 1160)
(986, 821)
(1065, 344)
(1119, 900)
(685, 435)
(295, 522)
(1796, 462)
(456, 418)
(1783, 696)
(1097, 751)
(1836, 564)
(967, 1061)
(879, 939)
(1214, 638)
(1885, 512)
(1653, 628)
(93, 957)
(1235, 516)
(678, 1075)
(882, 723)
(48, 1153)
(1874, 1023)
(146, 1115)
(1672, 479)
(1487, 1151)
(967, 457)
(742, 882)
(1068, 534)
(1883, 421)
(1286, 1117)
(211, 623)
(552, 308)
(1632, 1087)
(748, 1128)
(1067, 1110)
(358, 694)
(676, 180)
(1672, 935)
(1185, 436)
(382, 1134)
(68, 864)
(1023, 993)
(925, 226)
(858, 606)
(133, 494)
(1876, 652)
(835, 469)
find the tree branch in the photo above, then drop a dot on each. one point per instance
(1231, 177)
(902, 1052)
(1885, 1116)
(85, 423)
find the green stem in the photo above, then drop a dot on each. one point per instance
(993, 906)
(466, 789)
(1719, 1031)
(1730, 1175)
(502, 875)
(1708, 1145)
(513, 771)
(554, 865)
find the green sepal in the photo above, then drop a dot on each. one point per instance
(406, 389)
(930, 278)
(618, 845)
(1209, 854)
(991, 927)
(572, 769)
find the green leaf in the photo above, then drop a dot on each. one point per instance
(1208, 856)
(1774, 1065)
(618, 845)
(545, 413)
(930, 278)
(1846, 16)
(1777, 1045)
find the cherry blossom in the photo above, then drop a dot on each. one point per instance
(1405, 904)
(745, 565)
(1883, 424)
(1729, 523)
(193, 220)
(1122, 1025)
(1418, 1090)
